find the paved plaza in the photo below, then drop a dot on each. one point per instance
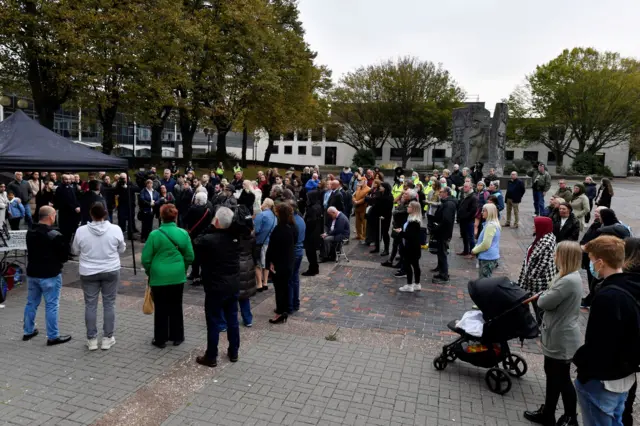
(357, 353)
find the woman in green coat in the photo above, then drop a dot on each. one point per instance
(166, 256)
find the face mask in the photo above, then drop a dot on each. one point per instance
(593, 271)
(401, 180)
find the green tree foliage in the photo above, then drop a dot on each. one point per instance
(583, 95)
(407, 103)
(39, 53)
(364, 158)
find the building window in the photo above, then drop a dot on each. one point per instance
(438, 154)
(600, 157)
(316, 151)
(288, 136)
(396, 153)
(302, 150)
(288, 149)
(530, 155)
(417, 153)
(551, 158)
(509, 155)
(378, 153)
(332, 132)
(275, 149)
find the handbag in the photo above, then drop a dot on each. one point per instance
(147, 305)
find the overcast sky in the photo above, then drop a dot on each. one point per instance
(487, 45)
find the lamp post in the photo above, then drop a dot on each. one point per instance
(207, 133)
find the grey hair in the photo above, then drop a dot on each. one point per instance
(224, 216)
(332, 210)
(201, 199)
(412, 194)
(481, 182)
(496, 183)
(466, 169)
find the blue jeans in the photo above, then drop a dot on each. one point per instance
(294, 285)
(599, 406)
(214, 306)
(27, 216)
(50, 289)
(245, 313)
(538, 202)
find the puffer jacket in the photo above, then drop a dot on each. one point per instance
(247, 274)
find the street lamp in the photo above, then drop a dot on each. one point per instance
(5, 101)
(22, 104)
(207, 133)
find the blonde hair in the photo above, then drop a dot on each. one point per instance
(492, 214)
(568, 257)
(415, 217)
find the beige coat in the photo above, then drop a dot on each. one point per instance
(358, 197)
(580, 209)
(35, 188)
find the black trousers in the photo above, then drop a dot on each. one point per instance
(558, 373)
(395, 246)
(14, 223)
(68, 224)
(281, 285)
(384, 229)
(311, 239)
(147, 225)
(412, 268)
(168, 320)
(443, 262)
(124, 223)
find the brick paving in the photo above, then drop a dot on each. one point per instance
(378, 372)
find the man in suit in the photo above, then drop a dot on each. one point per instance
(68, 209)
(337, 231)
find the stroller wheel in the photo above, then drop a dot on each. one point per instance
(498, 381)
(440, 363)
(451, 357)
(515, 365)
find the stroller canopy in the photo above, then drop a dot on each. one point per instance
(495, 297)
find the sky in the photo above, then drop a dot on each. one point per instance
(489, 46)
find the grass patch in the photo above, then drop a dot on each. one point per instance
(353, 293)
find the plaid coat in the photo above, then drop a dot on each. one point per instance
(539, 270)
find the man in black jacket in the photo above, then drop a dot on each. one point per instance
(515, 192)
(89, 199)
(47, 251)
(109, 195)
(314, 228)
(608, 360)
(68, 208)
(335, 200)
(467, 209)
(220, 250)
(444, 220)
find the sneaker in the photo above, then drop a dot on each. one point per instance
(407, 288)
(417, 287)
(249, 325)
(92, 344)
(387, 264)
(435, 269)
(107, 342)
(400, 274)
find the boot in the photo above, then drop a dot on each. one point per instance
(539, 416)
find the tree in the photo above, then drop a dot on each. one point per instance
(531, 123)
(39, 52)
(594, 95)
(420, 97)
(295, 94)
(356, 104)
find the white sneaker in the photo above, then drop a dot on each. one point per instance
(92, 344)
(107, 342)
(408, 288)
(417, 287)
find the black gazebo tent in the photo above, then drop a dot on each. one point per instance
(27, 145)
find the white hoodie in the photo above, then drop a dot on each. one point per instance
(99, 245)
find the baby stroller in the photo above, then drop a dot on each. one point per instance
(506, 314)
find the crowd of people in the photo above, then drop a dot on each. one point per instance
(258, 232)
